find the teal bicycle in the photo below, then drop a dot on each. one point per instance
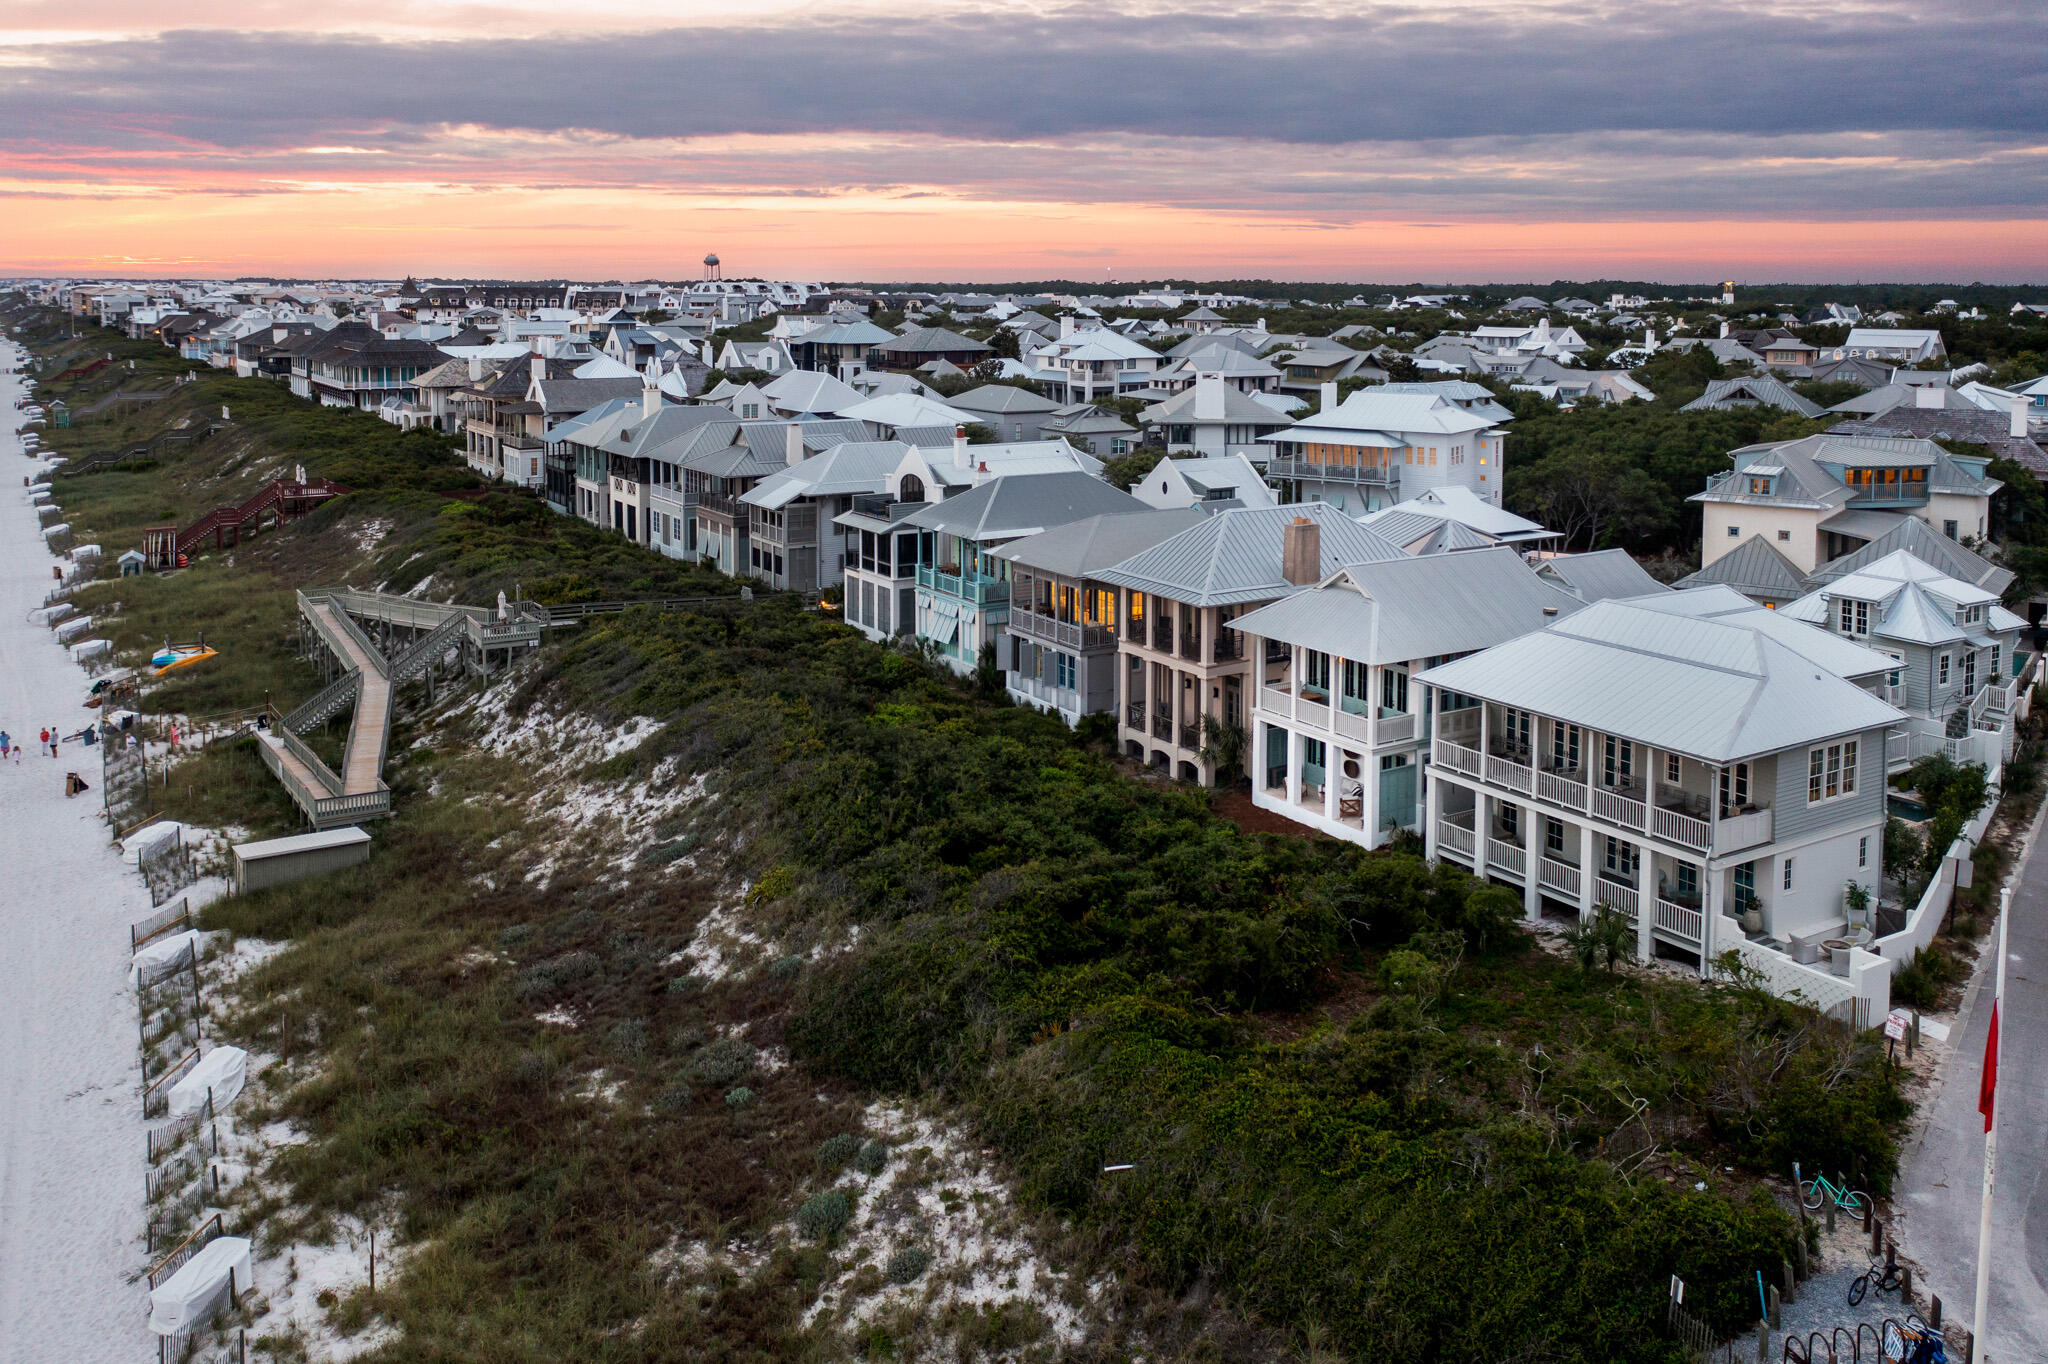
(1813, 1192)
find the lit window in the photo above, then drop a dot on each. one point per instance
(1831, 771)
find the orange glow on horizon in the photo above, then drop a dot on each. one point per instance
(378, 231)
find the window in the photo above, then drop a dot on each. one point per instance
(1564, 747)
(1760, 486)
(1510, 821)
(1853, 616)
(1688, 882)
(1357, 681)
(1831, 771)
(1617, 761)
(1785, 535)
(1515, 728)
(1788, 873)
(1063, 671)
(1671, 769)
(1315, 670)
(1394, 690)
(1941, 670)
(1734, 788)
(1621, 859)
(1745, 883)
(1948, 528)
(1863, 851)
(1734, 531)
(1553, 837)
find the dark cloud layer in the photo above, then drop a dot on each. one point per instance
(1270, 71)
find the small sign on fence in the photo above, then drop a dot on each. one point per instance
(1896, 1022)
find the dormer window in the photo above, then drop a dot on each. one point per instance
(1853, 616)
(1760, 486)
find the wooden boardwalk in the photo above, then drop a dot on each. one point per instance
(362, 765)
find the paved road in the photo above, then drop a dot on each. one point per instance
(1943, 1180)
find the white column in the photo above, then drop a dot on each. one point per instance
(1532, 851)
(1710, 906)
(1646, 900)
(1432, 811)
(1293, 766)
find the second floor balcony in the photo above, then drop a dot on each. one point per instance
(966, 584)
(1298, 466)
(1623, 795)
(1064, 634)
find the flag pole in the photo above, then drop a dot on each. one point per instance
(1988, 1102)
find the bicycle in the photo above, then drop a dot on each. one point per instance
(1812, 1191)
(1882, 1275)
(1915, 1343)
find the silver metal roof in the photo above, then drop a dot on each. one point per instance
(1235, 556)
(1023, 504)
(1714, 684)
(1754, 568)
(1081, 548)
(1414, 608)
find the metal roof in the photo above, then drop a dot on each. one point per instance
(1927, 545)
(1080, 548)
(1234, 556)
(1723, 394)
(1023, 504)
(1600, 575)
(1754, 568)
(1716, 680)
(1411, 608)
(845, 469)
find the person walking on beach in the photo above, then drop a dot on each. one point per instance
(55, 738)
(46, 737)
(5, 744)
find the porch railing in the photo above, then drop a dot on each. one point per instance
(1134, 714)
(1616, 808)
(1559, 790)
(1509, 773)
(1623, 899)
(1678, 921)
(1455, 837)
(1676, 827)
(1744, 831)
(1396, 729)
(1457, 757)
(1561, 877)
(1507, 856)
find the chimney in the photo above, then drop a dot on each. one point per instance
(1649, 338)
(1329, 396)
(1928, 395)
(476, 368)
(1301, 552)
(1209, 397)
(1543, 331)
(793, 444)
(1724, 331)
(650, 396)
(2018, 429)
(960, 448)
(538, 367)
(1066, 326)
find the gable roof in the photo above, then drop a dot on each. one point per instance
(1703, 673)
(1003, 398)
(806, 390)
(1081, 548)
(1926, 544)
(1754, 568)
(1235, 555)
(1408, 608)
(1377, 411)
(1916, 601)
(1013, 505)
(1600, 575)
(848, 468)
(1238, 409)
(1723, 394)
(932, 341)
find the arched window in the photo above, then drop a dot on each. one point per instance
(912, 489)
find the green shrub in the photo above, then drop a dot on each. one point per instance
(872, 1160)
(787, 968)
(720, 1063)
(739, 1098)
(685, 984)
(628, 1037)
(1917, 983)
(674, 1097)
(515, 935)
(824, 1214)
(908, 1263)
(544, 980)
(835, 1153)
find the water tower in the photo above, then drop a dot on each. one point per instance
(711, 266)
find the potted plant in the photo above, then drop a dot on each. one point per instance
(1856, 899)
(1749, 911)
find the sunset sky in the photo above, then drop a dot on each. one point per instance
(1460, 140)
